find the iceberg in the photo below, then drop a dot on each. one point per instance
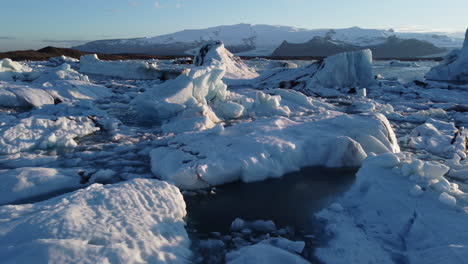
(215, 51)
(454, 67)
(344, 71)
(198, 100)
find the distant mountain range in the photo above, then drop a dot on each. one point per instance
(258, 40)
(393, 47)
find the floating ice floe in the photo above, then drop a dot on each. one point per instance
(454, 67)
(57, 61)
(61, 72)
(439, 138)
(13, 71)
(139, 70)
(343, 71)
(215, 51)
(270, 147)
(43, 133)
(263, 253)
(139, 221)
(399, 209)
(51, 86)
(397, 63)
(27, 183)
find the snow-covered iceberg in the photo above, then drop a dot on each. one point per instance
(140, 221)
(139, 70)
(343, 71)
(454, 67)
(400, 209)
(215, 51)
(270, 147)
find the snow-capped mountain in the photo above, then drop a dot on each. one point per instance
(247, 39)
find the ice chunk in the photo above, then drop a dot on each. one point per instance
(61, 72)
(386, 160)
(447, 199)
(56, 61)
(24, 183)
(292, 246)
(438, 137)
(336, 207)
(12, 71)
(40, 133)
(397, 63)
(139, 221)
(416, 191)
(215, 51)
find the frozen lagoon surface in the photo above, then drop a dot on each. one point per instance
(204, 169)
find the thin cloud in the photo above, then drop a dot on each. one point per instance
(7, 38)
(64, 42)
(157, 4)
(133, 3)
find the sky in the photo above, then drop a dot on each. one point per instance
(33, 24)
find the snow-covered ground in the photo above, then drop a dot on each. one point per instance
(64, 134)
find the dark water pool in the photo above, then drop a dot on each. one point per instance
(290, 201)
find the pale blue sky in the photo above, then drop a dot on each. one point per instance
(38, 23)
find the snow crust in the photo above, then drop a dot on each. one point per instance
(139, 221)
(454, 67)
